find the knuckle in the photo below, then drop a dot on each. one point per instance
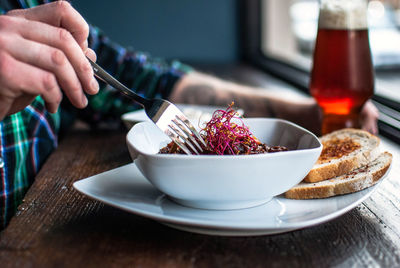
(5, 21)
(49, 81)
(65, 36)
(85, 67)
(58, 57)
(58, 97)
(63, 6)
(7, 38)
(75, 88)
(6, 66)
(65, 9)
(3, 40)
(72, 87)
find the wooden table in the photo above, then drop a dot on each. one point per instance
(56, 226)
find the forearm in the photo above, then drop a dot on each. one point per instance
(198, 88)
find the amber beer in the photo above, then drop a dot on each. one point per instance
(342, 78)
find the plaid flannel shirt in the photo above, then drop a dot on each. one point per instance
(28, 137)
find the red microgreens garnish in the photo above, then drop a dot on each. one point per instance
(226, 137)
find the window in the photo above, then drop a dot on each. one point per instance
(289, 29)
(279, 37)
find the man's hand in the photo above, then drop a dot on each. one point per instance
(369, 118)
(313, 117)
(43, 49)
(198, 88)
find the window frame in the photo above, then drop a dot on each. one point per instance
(252, 50)
(251, 53)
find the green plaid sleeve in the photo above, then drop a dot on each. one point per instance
(148, 76)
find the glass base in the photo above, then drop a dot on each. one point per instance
(332, 122)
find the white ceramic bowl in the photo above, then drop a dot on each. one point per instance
(226, 182)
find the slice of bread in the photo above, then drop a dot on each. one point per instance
(354, 181)
(343, 151)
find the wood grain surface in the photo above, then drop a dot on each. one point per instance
(56, 226)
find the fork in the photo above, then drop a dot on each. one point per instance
(163, 113)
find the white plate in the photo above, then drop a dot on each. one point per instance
(195, 113)
(127, 189)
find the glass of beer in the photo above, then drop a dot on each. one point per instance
(342, 77)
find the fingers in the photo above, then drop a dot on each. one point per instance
(369, 117)
(63, 40)
(58, 14)
(91, 54)
(370, 126)
(45, 47)
(52, 60)
(29, 81)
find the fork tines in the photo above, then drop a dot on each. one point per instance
(185, 135)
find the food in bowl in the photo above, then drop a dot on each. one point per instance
(223, 136)
(226, 181)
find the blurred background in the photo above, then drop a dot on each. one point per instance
(209, 30)
(290, 28)
(195, 31)
(266, 43)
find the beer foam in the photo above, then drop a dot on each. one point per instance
(343, 14)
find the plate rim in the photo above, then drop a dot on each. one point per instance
(182, 221)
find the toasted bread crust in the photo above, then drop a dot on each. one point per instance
(356, 180)
(338, 166)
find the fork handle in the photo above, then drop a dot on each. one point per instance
(109, 79)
